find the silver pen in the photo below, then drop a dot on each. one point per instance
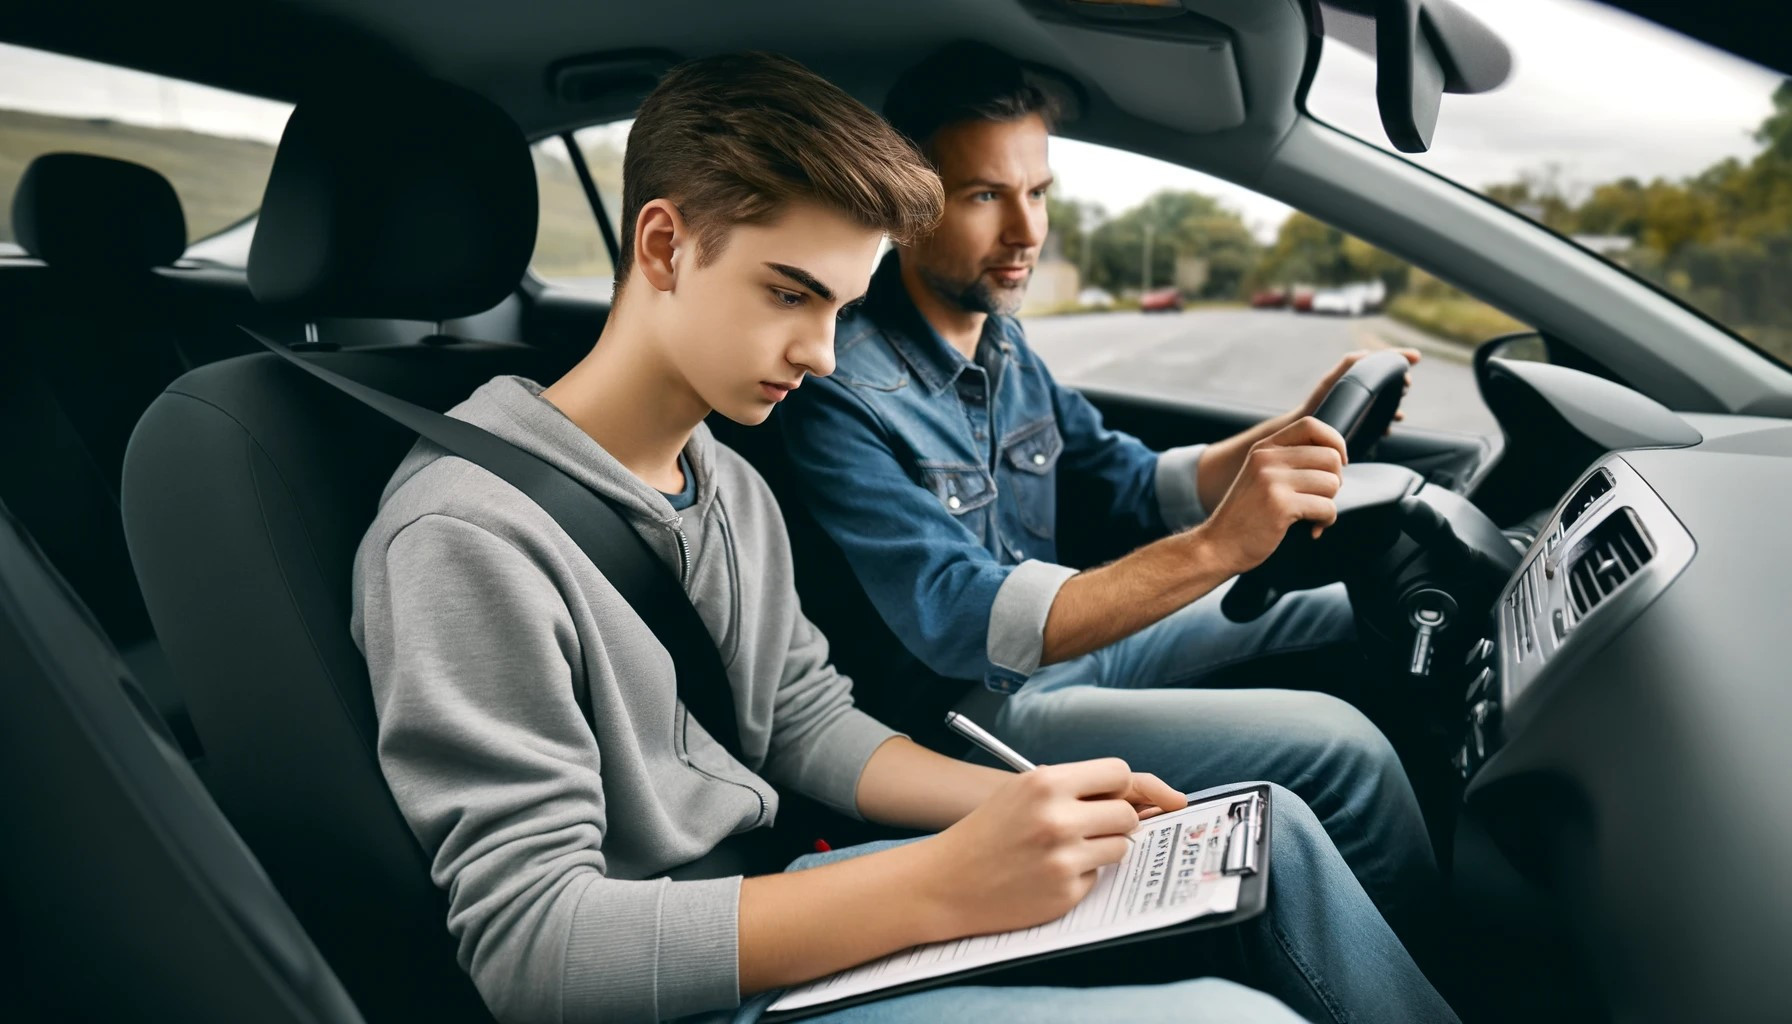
(977, 734)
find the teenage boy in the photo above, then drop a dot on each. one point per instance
(933, 458)
(755, 197)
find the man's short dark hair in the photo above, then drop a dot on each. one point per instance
(964, 82)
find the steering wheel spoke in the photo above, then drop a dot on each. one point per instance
(1361, 407)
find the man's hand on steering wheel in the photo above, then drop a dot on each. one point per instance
(1287, 477)
(1360, 401)
(1337, 372)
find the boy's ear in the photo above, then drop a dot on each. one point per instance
(660, 241)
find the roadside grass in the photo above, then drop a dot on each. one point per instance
(1461, 320)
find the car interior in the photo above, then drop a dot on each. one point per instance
(1580, 619)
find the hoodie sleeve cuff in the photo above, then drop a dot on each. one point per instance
(1017, 618)
(653, 950)
(1178, 489)
(844, 749)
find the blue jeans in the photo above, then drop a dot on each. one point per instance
(1141, 700)
(1321, 949)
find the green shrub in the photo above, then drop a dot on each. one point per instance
(1459, 319)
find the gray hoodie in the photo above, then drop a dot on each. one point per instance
(475, 611)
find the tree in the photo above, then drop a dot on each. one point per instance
(1068, 220)
(1366, 262)
(1720, 239)
(1229, 248)
(1306, 250)
(1775, 133)
(1181, 224)
(1541, 194)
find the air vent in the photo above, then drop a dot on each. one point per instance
(1596, 487)
(1614, 551)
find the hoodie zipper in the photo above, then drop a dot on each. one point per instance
(684, 553)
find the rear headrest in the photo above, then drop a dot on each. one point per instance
(411, 201)
(93, 212)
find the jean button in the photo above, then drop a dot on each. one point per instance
(1038, 459)
(953, 502)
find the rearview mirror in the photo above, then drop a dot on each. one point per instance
(1409, 74)
(1422, 49)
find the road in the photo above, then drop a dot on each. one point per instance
(1270, 359)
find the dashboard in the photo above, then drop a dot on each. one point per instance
(1627, 745)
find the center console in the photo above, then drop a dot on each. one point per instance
(1607, 551)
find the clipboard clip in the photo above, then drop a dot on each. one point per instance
(1245, 835)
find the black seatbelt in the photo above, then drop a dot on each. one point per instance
(600, 530)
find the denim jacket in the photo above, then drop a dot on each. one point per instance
(937, 476)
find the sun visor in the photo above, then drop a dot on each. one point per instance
(1188, 82)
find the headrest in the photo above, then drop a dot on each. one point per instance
(411, 201)
(74, 209)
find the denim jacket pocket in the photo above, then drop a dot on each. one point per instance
(1032, 456)
(961, 489)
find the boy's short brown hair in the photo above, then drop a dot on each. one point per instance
(735, 139)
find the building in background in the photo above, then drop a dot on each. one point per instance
(1055, 283)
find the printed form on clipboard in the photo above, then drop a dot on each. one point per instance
(1204, 865)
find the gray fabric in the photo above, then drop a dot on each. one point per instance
(1178, 496)
(474, 610)
(1017, 618)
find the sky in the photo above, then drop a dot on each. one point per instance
(50, 83)
(1595, 91)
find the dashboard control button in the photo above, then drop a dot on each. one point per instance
(1481, 651)
(1478, 687)
(1481, 721)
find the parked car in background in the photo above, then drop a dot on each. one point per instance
(1270, 298)
(1353, 299)
(1348, 300)
(1300, 299)
(1375, 294)
(1095, 298)
(1161, 300)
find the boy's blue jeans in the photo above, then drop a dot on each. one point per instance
(1321, 950)
(1142, 700)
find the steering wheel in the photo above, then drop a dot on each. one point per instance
(1360, 406)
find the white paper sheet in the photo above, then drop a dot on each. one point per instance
(1170, 874)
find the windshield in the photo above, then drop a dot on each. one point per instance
(1661, 154)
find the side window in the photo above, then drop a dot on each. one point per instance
(570, 249)
(1162, 281)
(215, 147)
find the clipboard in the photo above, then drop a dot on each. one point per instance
(1246, 854)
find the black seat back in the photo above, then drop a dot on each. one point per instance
(91, 331)
(248, 486)
(131, 894)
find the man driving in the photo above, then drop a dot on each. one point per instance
(933, 458)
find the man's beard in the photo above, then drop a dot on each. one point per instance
(979, 294)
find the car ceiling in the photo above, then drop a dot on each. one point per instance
(1220, 79)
